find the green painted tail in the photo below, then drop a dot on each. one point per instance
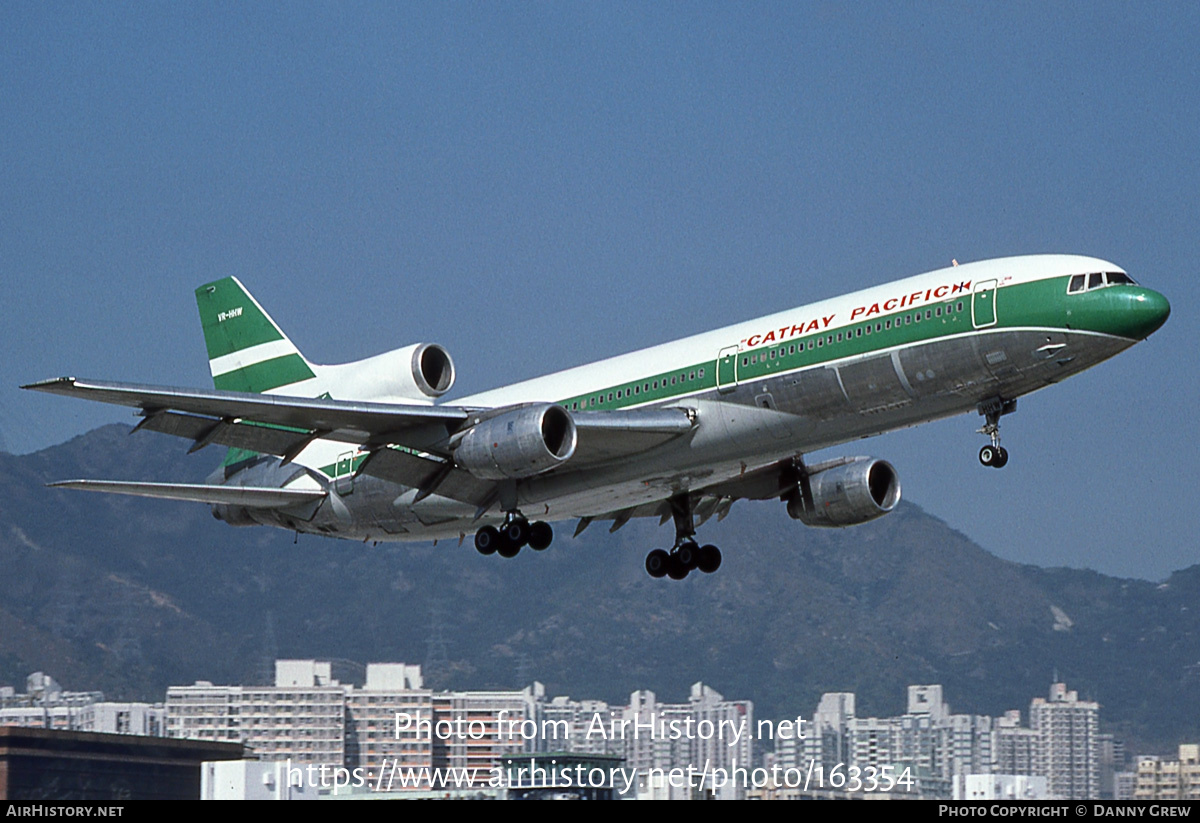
(247, 351)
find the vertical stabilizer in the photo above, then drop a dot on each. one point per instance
(247, 351)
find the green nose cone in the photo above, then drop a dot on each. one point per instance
(1148, 310)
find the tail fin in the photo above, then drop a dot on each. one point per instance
(247, 351)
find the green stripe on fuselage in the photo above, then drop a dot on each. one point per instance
(1042, 303)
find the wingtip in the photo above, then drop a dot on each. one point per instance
(43, 385)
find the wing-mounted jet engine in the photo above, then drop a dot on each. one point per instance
(518, 443)
(846, 492)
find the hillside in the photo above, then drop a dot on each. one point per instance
(130, 596)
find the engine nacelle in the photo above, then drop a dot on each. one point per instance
(518, 443)
(847, 495)
(416, 373)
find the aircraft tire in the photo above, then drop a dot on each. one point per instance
(987, 455)
(688, 554)
(540, 535)
(516, 531)
(675, 569)
(710, 559)
(507, 548)
(657, 563)
(487, 540)
(1001, 458)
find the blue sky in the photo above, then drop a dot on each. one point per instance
(539, 185)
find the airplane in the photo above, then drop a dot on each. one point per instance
(678, 431)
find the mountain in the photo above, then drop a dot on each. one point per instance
(129, 596)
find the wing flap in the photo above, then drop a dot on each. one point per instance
(351, 422)
(254, 437)
(429, 474)
(249, 496)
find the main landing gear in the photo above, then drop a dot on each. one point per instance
(516, 532)
(686, 554)
(994, 455)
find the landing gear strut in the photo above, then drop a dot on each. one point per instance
(994, 455)
(686, 554)
(516, 532)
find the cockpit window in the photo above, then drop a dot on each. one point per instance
(1080, 283)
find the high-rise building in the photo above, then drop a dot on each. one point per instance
(389, 721)
(1067, 752)
(1160, 778)
(301, 718)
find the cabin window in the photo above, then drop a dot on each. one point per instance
(868, 329)
(820, 342)
(792, 349)
(839, 337)
(575, 406)
(858, 332)
(701, 373)
(745, 361)
(646, 387)
(693, 376)
(1078, 284)
(908, 319)
(929, 314)
(959, 306)
(887, 324)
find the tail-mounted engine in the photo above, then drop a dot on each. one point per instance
(414, 374)
(850, 491)
(518, 443)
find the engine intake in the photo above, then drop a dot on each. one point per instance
(414, 374)
(518, 443)
(847, 494)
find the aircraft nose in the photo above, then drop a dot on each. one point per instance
(1148, 310)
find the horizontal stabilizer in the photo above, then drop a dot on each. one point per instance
(249, 496)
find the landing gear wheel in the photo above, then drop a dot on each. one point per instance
(675, 568)
(516, 531)
(688, 555)
(540, 535)
(710, 559)
(506, 547)
(657, 563)
(1001, 458)
(987, 455)
(487, 540)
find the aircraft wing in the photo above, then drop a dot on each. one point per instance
(249, 496)
(408, 443)
(274, 424)
(603, 436)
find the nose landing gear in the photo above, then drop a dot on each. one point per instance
(995, 455)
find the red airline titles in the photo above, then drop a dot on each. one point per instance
(785, 333)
